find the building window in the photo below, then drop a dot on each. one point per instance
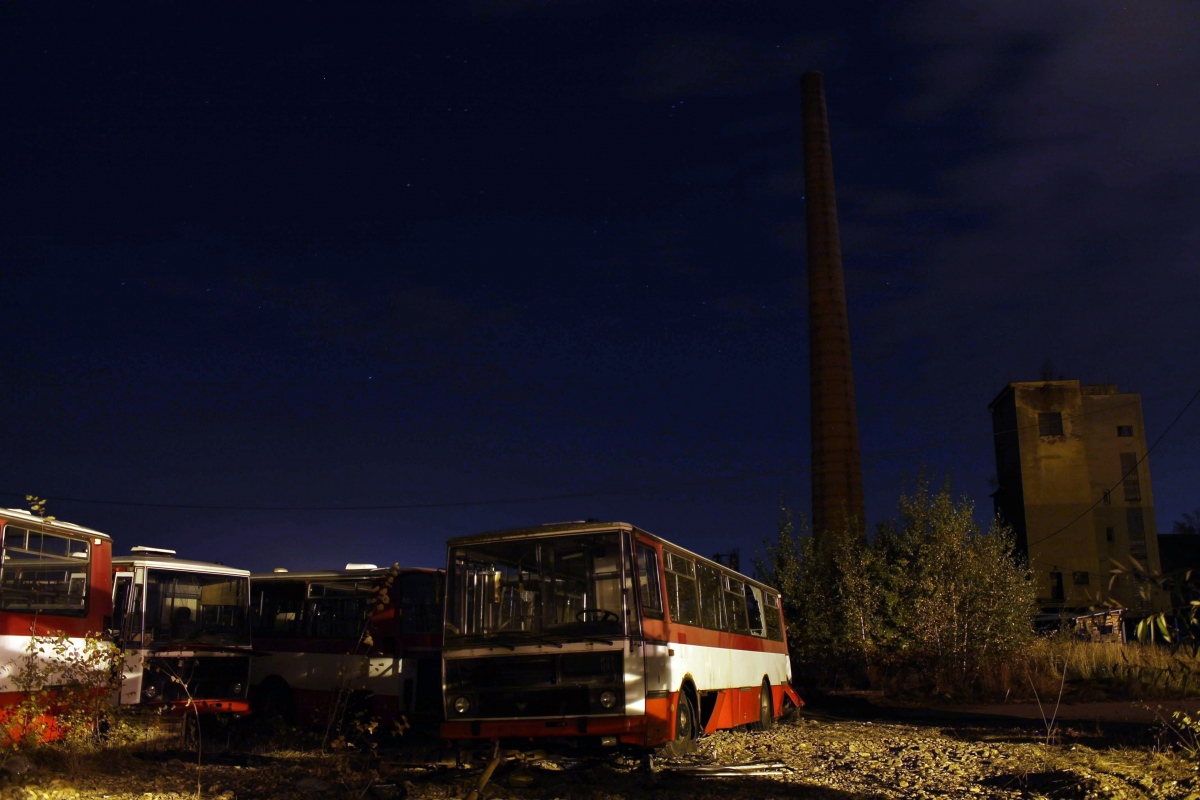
(1137, 532)
(1124, 430)
(1129, 477)
(1110, 534)
(1056, 586)
(1107, 498)
(1081, 578)
(1050, 424)
(1136, 523)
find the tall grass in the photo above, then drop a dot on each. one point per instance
(1094, 671)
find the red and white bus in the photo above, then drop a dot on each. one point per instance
(184, 631)
(324, 641)
(55, 578)
(600, 630)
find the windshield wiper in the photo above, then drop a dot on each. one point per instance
(543, 639)
(487, 638)
(520, 637)
(591, 638)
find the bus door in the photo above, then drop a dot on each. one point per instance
(640, 647)
(128, 605)
(420, 625)
(654, 669)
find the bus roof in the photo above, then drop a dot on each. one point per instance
(331, 574)
(588, 526)
(20, 515)
(177, 565)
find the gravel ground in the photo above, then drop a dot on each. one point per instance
(810, 756)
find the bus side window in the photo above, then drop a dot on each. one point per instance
(338, 609)
(648, 582)
(774, 622)
(681, 589)
(419, 611)
(277, 608)
(710, 596)
(754, 601)
(735, 605)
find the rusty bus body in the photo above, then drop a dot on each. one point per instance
(184, 629)
(325, 637)
(55, 581)
(605, 632)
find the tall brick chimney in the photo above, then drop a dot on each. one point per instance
(837, 491)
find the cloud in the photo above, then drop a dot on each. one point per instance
(1079, 185)
(490, 10)
(682, 65)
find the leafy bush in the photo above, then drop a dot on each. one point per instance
(931, 604)
(67, 690)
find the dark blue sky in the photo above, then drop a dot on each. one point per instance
(323, 257)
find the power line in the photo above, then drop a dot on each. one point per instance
(416, 506)
(567, 495)
(474, 503)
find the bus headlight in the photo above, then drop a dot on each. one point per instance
(462, 705)
(608, 699)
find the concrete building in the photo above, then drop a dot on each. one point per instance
(1074, 483)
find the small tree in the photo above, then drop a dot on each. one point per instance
(961, 598)
(831, 598)
(931, 596)
(1188, 523)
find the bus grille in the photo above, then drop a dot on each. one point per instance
(563, 702)
(560, 685)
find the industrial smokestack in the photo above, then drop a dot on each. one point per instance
(837, 492)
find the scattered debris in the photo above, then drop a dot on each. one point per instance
(828, 758)
(755, 768)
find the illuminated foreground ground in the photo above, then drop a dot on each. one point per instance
(818, 757)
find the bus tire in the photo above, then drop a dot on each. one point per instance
(766, 708)
(273, 700)
(189, 734)
(686, 728)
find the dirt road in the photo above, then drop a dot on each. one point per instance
(813, 756)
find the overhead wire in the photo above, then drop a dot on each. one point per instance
(799, 470)
(1131, 471)
(1066, 565)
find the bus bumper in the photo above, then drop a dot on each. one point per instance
(629, 730)
(238, 708)
(790, 693)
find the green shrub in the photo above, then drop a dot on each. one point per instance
(931, 604)
(67, 687)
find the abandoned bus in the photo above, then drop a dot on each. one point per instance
(184, 629)
(330, 640)
(602, 630)
(55, 578)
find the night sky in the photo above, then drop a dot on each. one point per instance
(475, 265)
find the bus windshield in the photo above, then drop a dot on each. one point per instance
(197, 608)
(537, 587)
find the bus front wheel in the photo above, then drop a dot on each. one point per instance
(685, 728)
(273, 700)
